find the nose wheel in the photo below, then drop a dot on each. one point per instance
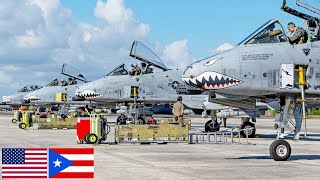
(212, 126)
(249, 129)
(280, 150)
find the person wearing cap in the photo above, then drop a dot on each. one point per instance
(177, 110)
(298, 34)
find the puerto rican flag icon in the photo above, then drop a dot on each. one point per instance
(71, 163)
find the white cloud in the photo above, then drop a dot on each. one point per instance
(39, 36)
(177, 54)
(113, 11)
(40, 74)
(5, 78)
(221, 48)
(10, 68)
(30, 40)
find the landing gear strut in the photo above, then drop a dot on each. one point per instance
(280, 149)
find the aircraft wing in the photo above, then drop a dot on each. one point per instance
(242, 102)
(43, 103)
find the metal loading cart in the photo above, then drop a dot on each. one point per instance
(164, 132)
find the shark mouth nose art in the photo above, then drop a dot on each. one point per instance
(88, 94)
(212, 80)
(32, 98)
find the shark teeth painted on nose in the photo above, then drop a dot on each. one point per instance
(88, 94)
(212, 80)
(33, 98)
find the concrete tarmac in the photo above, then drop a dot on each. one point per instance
(183, 161)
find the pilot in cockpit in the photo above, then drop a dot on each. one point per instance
(298, 34)
(136, 71)
(64, 83)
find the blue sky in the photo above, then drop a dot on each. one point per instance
(205, 23)
(96, 35)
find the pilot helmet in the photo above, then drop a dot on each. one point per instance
(134, 64)
(179, 98)
(291, 25)
(62, 80)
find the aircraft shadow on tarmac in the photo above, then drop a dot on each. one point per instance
(292, 157)
(290, 137)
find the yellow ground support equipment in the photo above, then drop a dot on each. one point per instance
(164, 132)
(16, 116)
(99, 129)
(57, 123)
(26, 119)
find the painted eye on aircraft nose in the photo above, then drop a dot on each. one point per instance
(188, 67)
(210, 62)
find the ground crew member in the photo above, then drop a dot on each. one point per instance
(31, 108)
(177, 111)
(298, 34)
(22, 108)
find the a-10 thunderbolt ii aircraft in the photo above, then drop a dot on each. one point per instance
(156, 84)
(66, 88)
(17, 99)
(267, 66)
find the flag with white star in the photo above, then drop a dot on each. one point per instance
(47, 163)
(71, 163)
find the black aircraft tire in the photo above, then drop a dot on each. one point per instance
(140, 121)
(121, 120)
(208, 127)
(280, 150)
(251, 133)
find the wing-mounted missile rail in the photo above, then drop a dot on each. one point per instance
(312, 24)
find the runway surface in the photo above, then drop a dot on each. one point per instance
(183, 161)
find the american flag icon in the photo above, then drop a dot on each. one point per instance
(24, 163)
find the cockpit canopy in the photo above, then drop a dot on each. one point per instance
(142, 53)
(118, 71)
(29, 88)
(62, 82)
(270, 32)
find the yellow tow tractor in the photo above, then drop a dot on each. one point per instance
(16, 116)
(26, 119)
(96, 132)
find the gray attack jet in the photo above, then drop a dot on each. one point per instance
(17, 99)
(155, 83)
(48, 94)
(266, 66)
